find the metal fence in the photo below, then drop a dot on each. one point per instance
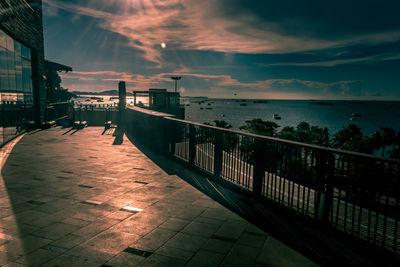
(16, 117)
(355, 193)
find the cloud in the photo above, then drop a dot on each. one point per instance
(237, 26)
(218, 85)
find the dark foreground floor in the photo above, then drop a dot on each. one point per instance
(75, 199)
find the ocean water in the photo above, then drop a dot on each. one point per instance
(372, 114)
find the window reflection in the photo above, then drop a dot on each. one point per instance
(16, 91)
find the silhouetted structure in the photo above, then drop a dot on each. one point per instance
(161, 100)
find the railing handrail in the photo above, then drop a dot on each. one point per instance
(290, 142)
(57, 103)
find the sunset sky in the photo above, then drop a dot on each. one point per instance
(254, 49)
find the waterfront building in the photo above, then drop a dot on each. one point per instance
(22, 67)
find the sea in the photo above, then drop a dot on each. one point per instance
(332, 114)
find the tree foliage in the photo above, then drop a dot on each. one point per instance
(351, 138)
(258, 126)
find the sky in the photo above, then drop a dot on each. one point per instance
(229, 48)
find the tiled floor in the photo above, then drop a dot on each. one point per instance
(75, 199)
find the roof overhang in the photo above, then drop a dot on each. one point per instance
(57, 66)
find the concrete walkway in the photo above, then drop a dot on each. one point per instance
(86, 199)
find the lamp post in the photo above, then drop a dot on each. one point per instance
(176, 78)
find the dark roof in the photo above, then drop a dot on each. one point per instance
(57, 66)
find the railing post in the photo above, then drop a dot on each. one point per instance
(218, 152)
(324, 183)
(192, 144)
(329, 184)
(259, 166)
(172, 132)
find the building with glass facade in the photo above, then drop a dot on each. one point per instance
(15, 71)
(22, 67)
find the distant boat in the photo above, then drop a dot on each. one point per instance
(209, 108)
(321, 103)
(355, 115)
(243, 104)
(260, 102)
(276, 117)
(353, 118)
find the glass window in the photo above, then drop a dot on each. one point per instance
(11, 71)
(3, 38)
(26, 52)
(17, 48)
(10, 43)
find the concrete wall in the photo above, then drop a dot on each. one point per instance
(22, 20)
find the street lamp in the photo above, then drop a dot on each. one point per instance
(176, 78)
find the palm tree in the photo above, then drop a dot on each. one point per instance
(258, 126)
(376, 140)
(222, 124)
(351, 138)
(395, 153)
(388, 137)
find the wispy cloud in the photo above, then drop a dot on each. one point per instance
(202, 25)
(221, 85)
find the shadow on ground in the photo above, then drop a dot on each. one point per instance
(297, 233)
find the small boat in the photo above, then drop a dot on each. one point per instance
(276, 117)
(243, 104)
(209, 108)
(260, 102)
(355, 115)
(353, 118)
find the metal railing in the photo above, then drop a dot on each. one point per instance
(55, 111)
(355, 193)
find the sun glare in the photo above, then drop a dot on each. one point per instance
(163, 45)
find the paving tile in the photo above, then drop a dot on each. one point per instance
(175, 252)
(37, 257)
(42, 214)
(275, 253)
(111, 241)
(205, 258)
(70, 260)
(126, 260)
(240, 255)
(95, 227)
(69, 241)
(174, 224)
(56, 230)
(252, 240)
(161, 260)
(219, 246)
(186, 242)
(232, 229)
(153, 240)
